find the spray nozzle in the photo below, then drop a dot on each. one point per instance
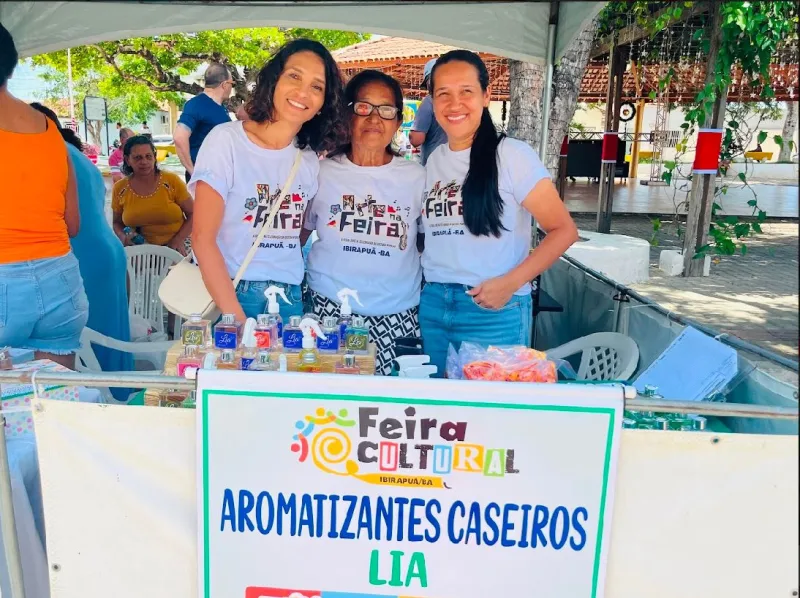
(344, 298)
(272, 300)
(249, 334)
(310, 327)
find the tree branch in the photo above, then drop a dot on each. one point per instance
(168, 82)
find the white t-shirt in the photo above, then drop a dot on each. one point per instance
(248, 178)
(453, 254)
(366, 219)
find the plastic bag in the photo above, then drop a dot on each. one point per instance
(504, 364)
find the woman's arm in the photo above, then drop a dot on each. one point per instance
(72, 214)
(549, 212)
(119, 227)
(178, 241)
(208, 212)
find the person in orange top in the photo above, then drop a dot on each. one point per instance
(149, 201)
(43, 306)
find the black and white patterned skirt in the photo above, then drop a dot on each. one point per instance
(383, 330)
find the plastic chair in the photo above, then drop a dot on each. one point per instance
(604, 356)
(154, 354)
(148, 265)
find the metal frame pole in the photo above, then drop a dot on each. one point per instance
(8, 524)
(547, 96)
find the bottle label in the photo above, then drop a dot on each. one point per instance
(356, 341)
(225, 340)
(331, 343)
(263, 339)
(280, 329)
(246, 362)
(292, 339)
(193, 336)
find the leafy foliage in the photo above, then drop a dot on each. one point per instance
(751, 33)
(138, 75)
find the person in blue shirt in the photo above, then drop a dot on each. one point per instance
(425, 131)
(201, 114)
(101, 259)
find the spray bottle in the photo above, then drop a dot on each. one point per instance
(249, 345)
(346, 311)
(308, 360)
(274, 320)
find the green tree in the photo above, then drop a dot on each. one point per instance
(138, 74)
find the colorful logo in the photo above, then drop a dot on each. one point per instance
(386, 451)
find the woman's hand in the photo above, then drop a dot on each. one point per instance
(494, 293)
(178, 243)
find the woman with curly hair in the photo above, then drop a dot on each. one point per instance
(296, 109)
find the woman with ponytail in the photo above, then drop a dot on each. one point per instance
(482, 189)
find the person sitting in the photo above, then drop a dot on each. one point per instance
(101, 259)
(365, 215)
(149, 201)
(43, 306)
(115, 159)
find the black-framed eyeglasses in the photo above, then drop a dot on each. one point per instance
(386, 112)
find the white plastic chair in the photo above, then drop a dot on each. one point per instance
(148, 265)
(604, 356)
(152, 354)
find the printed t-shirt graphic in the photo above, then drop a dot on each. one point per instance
(453, 254)
(248, 178)
(366, 219)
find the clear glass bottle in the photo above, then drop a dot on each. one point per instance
(308, 360)
(226, 333)
(357, 336)
(293, 335)
(264, 332)
(264, 362)
(348, 364)
(227, 360)
(194, 331)
(331, 330)
(190, 359)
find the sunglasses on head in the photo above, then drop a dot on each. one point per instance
(386, 112)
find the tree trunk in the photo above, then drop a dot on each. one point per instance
(525, 105)
(527, 85)
(567, 78)
(789, 127)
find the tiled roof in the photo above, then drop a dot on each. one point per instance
(389, 48)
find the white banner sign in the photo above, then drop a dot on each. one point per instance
(359, 487)
(94, 108)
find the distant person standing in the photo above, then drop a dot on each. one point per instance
(425, 131)
(145, 129)
(201, 114)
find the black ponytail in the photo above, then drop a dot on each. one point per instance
(480, 193)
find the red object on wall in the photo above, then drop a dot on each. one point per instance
(706, 156)
(608, 154)
(564, 146)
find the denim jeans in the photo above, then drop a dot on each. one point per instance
(253, 301)
(43, 305)
(448, 315)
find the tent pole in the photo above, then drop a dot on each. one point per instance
(552, 31)
(8, 525)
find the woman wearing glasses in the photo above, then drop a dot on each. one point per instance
(365, 214)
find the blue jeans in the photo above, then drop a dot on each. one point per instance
(448, 315)
(43, 305)
(253, 301)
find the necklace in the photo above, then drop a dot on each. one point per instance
(155, 190)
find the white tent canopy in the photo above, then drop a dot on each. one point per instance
(514, 29)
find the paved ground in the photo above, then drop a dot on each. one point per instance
(754, 297)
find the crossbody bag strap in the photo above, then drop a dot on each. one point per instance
(268, 222)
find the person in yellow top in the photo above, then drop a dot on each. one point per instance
(150, 202)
